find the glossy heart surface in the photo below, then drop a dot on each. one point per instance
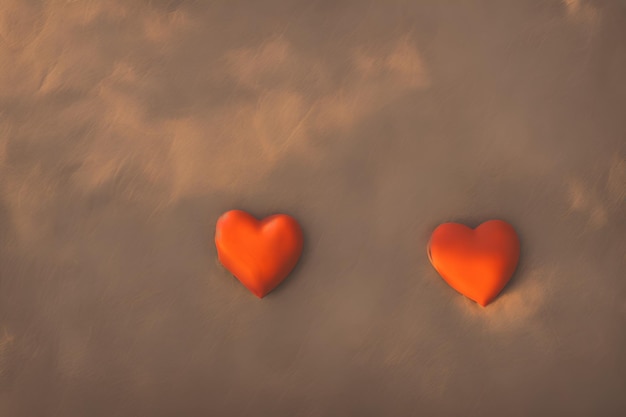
(260, 254)
(479, 262)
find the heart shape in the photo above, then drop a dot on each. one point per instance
(260, 254)
(479, 262)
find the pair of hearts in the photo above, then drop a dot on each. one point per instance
(478, 262)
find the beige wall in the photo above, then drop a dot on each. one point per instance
(128, 126)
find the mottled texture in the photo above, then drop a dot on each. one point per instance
(128, 126)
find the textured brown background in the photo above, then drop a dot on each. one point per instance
(127, 127)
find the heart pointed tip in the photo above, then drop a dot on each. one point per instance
(483, 303)
(260, 294)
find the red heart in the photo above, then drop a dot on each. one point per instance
(479, 262)
(260, 254)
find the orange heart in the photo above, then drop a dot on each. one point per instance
(260, 254)
(479, 262)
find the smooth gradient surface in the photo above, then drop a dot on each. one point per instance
(260, 254)
(127, 127)
(478, 262)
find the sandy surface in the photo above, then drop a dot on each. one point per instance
(128, 126)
